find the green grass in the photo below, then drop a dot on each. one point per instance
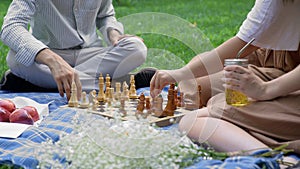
(218, 20)
(3, 49)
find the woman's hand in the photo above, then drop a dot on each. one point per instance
(243, 80)
(160, 79)
(62, 72)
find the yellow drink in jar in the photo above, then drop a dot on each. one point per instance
(236, 98)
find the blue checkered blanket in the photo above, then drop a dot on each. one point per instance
(20, 151)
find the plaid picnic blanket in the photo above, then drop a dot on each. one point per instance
(21, 151)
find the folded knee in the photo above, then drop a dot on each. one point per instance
(137, 46)
(187, 122)
(198, 126)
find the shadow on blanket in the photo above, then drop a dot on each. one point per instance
(13, 83)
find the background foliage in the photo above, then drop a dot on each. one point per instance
(218, 19)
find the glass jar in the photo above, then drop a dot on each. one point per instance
(236, 98)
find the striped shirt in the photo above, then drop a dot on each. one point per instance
(57, 24)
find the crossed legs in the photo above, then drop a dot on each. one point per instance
(218, 133)
(201, 126)
(117, 61)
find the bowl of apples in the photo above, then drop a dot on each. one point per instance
(19, 113)
(9, 112)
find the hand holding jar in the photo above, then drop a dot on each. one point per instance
(241, 83)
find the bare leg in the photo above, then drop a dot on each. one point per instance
(220, 134)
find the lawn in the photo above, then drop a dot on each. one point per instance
(3, 49)
(215, 21)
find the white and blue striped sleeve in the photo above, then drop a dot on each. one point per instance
(106, 19)
(15, 34)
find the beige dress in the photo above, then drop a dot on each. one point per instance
(274, 122)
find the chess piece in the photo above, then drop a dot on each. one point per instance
(73, 101)
(140, 107)
(102, 106)
(141, 103)
(109, 97)
(93, 99)
(144, 114)
(195, 102)
(107, 85)
(180, 101)
(148, 105)
(175, 99)
(170, 107)
(157, 106)
(125, 92)
(84, 103)
(118, 91)
(111, 94)
(132, 90)
(101, 94)
(92, 95)
(95, 104)
(117, 95)
(122, 110)
(199, 94)
(107, 80)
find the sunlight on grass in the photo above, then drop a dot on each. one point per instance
(218, 20)
(180, 34)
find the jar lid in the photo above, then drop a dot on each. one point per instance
(241, 62)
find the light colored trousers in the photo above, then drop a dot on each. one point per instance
(116, 61)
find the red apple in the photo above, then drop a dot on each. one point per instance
(21, 116)
(33, 112)
(8, 105)
(4, 115)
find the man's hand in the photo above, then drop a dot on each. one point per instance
(115, 36)
(62, 72)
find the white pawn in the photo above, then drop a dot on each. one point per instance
(84, 103)
(118, 91)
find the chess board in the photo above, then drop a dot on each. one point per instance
(127, 105)
(112, 111)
